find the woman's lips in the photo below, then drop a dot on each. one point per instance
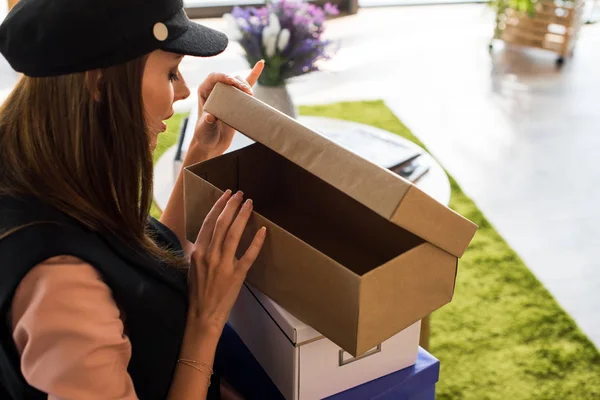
(164, 124)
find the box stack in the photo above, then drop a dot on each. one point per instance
(301, 362)
(241, 370)
(355, 255)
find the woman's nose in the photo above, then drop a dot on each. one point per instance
(182, 91)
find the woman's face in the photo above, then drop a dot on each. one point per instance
(162, 85)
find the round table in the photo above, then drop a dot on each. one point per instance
(376, 145)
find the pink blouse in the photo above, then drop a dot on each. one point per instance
(69, 333)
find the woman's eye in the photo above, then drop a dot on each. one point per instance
(173, 77)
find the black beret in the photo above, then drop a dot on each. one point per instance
(56, 37)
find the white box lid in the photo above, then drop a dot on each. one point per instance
(297, 331)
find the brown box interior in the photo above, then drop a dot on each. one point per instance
(309, 208)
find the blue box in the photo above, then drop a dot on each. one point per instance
(239, 367)
(412, 383)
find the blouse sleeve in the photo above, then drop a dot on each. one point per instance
(69, 333)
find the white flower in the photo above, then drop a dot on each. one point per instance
(269, 35)
(269, 42)
(232, 29)
(229, 19)
(274, 23)
(284, 39)
(242, 24)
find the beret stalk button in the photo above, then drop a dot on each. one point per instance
(161, 32)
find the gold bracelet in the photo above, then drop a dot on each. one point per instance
(205, 365)
(190, 363)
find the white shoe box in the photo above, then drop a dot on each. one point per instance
(302, 363)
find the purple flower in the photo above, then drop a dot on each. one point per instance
(331, 9)
(305, 48)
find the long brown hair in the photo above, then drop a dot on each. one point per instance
(80, 143)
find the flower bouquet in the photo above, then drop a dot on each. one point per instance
(287, 34)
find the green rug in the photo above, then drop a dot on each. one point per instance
(503, 337)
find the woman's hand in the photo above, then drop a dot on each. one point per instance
(213, 135)
(216, 276)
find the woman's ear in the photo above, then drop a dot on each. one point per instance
(94, 83)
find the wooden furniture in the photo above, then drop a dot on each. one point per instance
(553, 25)
(11, 3)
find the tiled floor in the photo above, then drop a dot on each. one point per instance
(520, 137)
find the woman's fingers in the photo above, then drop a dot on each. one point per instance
(208, 227)
(255, 73)
(210, 119)
(244, 85)
(215, 77)
(232, 240)
(222, 226)
(251, 254)
(241, 84)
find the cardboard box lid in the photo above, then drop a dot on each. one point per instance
(377, 188)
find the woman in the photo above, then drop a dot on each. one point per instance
(98, 300)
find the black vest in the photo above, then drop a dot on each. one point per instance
(152, 296)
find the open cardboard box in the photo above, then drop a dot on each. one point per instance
(352, 249)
